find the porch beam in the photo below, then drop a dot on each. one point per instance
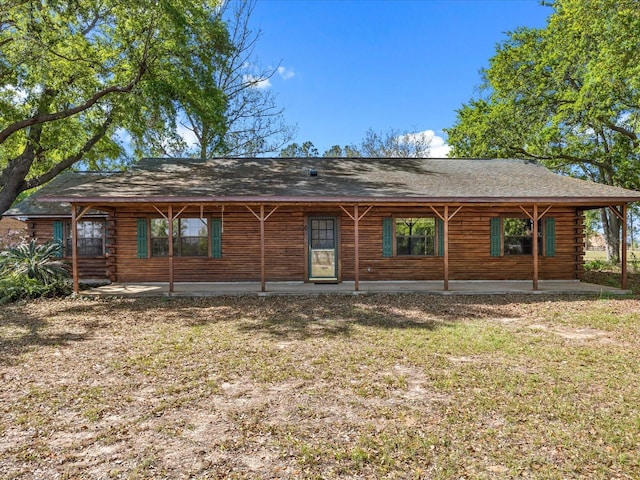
(535, 246)
(83, 211)
(356, 217)
(74, 248)
(262, 218)
(446, 247)
(170, 225)
(445, 217)
(623, 260)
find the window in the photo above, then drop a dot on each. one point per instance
(514, 236)
(415, 236)
(518, 236)
(90, 235)
(190, 237)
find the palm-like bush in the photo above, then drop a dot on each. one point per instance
(37, 262)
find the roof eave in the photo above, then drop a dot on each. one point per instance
(590, 201)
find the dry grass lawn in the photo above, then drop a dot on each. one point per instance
(367, 387)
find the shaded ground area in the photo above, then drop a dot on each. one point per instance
(371, 386)
(611, 278)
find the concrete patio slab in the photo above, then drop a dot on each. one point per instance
(456, 287)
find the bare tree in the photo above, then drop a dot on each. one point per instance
(395, 144)
(253, 123)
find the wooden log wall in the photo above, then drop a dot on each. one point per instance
(285, 239)
(88, 267)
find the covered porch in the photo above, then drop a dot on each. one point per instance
(456, 287)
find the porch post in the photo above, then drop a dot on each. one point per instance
(170, 220)
(74, 249)
(535, 247)
(623, 260)
(446, 247)
(356, 226)
(262, 248)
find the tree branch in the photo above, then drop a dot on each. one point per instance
(51, 117)
(69, 161)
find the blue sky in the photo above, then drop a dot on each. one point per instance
(350, 65)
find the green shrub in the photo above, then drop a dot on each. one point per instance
(20, 287)
(596, 265)
(30, 270)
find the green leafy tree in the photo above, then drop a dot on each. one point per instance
(78, 76)
(307, 149)
(567, 95)
(336, 151)
(391, 143)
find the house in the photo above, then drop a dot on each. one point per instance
(321, 220)
(12, 231)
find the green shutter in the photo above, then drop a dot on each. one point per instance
(440, 233)
(495, 236)
(550, 237)
(387, 237)
(142, 238)
(58, 236)
(216, 237)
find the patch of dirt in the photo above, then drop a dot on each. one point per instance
(571, 333)
(302, 387)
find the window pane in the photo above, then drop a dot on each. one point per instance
(159, 227)
(322, 234)
(192, 238)
(160, 247)
(90, 238)
(415, 236)
(518, 236)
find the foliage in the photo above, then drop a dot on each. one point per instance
(596, 264)
(307, 149)
(37, 262)
(395, 144)
(77, 76)
(252, 123)
(21, 287)
(567, 95)
(392, 143)
(29, 270)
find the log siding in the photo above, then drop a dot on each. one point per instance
(286, 247)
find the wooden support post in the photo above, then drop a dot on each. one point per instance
(74, 248)
(446, 247)
(445, 234)
(262, 218)
(170, 221)
(356, 227)
(263, 282)
(356, 217)
(535, 246)
(623, 260)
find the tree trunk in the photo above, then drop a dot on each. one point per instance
(611, 228)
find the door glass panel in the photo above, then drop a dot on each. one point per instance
(322, 249)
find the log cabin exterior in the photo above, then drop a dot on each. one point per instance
(320, 220)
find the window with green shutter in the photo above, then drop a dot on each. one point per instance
(387, 237)
(142, 238)
(496, 233)
(58, 236)
(440, 232)
(550, 237)
(514, 236)
(216, 237)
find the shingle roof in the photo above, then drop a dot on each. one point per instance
(348, 179)
(33, 205)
